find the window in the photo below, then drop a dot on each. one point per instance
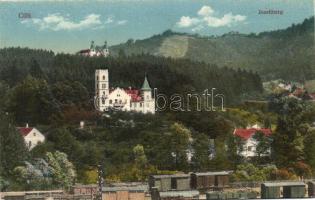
(140, 104)
(103, 86)
(110, 101)
(96, 77)
(30, 143)
(116, 100)
(250, 148)
(120, 101)
(97, 85)
(34, 134)
(103, 77)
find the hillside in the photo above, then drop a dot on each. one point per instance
(286, 54)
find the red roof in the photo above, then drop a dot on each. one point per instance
(25, 130)
(247, 133)
(134, 94)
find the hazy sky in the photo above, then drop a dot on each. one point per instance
(68, 26)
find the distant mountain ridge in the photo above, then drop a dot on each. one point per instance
(287, 53)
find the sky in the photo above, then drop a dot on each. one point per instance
(70, 25)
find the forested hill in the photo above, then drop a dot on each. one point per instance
(167, 74)
(286, 54)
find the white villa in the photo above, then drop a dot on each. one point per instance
(249, 148)
(32, 136)
(122, 99)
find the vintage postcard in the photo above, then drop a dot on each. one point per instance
(157, 99)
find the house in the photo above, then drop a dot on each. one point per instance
(178, 195)
(127, 192)
(249, 148)
(138, 100)
(32, 136)
(95, 50)
(78, 189)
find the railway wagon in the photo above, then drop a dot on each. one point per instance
(294, 190)
(165, 183)
(270, 190)
(311, 188)
(209, 180)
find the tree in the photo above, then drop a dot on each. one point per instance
(235, 147)
(249, 172)
(36, 71)
(263, 146)
(11, 74)
(121, 53)
(30, 178)
(12, 147)
(288, 144)
(65, 142)
(309, 148)
(140, 157)
(63, 172)
(4, 88)
(31, 101)
(179, 143)
(201, 148)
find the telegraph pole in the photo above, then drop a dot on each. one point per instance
(100, 181)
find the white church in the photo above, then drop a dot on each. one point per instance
(122, 99)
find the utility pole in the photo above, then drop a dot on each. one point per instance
(100, 181)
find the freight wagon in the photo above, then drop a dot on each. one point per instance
(311, 188)
(165, 183)
(210, 180)
(290, 190)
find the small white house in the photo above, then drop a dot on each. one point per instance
(249, 148)
(32, 136)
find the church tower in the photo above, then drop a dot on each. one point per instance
(148, 101)
(102, 89)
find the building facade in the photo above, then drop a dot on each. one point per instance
(95, 50)
(250, 143)
(122, 99)
(32, 136)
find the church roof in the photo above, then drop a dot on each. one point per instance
(146, 85)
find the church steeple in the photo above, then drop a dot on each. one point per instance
(145, 85)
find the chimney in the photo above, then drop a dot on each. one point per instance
(26, 125)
